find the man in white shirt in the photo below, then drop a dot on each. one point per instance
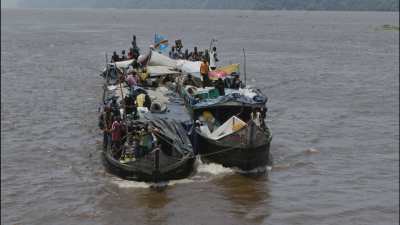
(213, 58)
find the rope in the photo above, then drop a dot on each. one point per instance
(223, 150)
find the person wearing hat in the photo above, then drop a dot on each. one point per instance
(105, 122)
(204, 73)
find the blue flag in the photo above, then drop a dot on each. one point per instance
(160, 42)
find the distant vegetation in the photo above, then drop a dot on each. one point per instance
(388, 27)
(376, 5)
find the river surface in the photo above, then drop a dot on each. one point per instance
(332, 79)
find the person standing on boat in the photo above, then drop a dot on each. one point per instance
(263, 115)
(116, 134)
(134, 41)
(207, 55)
(213, 58)
(105, 123)
(131, 79)
(204, 73)
(136, 52)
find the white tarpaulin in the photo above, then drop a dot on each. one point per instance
(157, 59)
(230, 126)
(189, 66)
(160, 70)
(123, 64)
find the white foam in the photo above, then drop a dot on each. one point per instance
(129, 184)
(212, 168)
(311, 151)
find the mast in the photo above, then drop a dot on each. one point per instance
(244, 67)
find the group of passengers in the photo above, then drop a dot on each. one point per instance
(133, 53)
(195, 55)
(117, 131)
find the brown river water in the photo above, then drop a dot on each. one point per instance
(332, 79)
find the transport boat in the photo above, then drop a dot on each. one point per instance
(229, 129)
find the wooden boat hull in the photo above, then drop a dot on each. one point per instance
(145, 171)
(246, 149)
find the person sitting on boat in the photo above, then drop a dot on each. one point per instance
(116, 136)
(186, 54)
(204, 73)
(213, 58)
(137, 151)
(179, 53)
(129, 151)
(143, 75)
(179, 45)
(143, 100)
(208, 118)
(135, 65)
(114, 57)
(201, 55)
(147, 101)
(146, 142)
(130, 53)
(172, 52)
(195, 55)
(129, 104)
(115, 107)
(123, 56)
(189, 81)
(105, 123)
(236, 83)
(220, 86)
